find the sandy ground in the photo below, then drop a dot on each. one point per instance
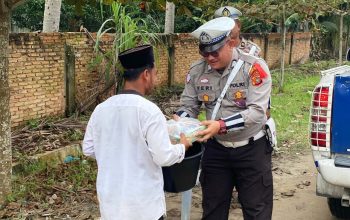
(294, 193)
(294, 197)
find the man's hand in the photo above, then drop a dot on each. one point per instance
(212, 129)
(176, 117)
(184, 141)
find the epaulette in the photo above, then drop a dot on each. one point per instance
(252, 43)
(198, 62)
(248, 58)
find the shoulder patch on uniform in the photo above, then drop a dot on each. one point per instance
(257, 74)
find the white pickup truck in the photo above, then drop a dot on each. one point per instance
(330, 138)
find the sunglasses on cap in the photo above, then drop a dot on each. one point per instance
(206, 54)
(214, 54)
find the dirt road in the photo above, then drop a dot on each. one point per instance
(294, 193)
(294, 198)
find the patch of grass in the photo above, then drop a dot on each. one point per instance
(36, 180)
(23, 183)
(74, 135)
(33, 123)
(290, 109)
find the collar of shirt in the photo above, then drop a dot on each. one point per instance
(235, 57)
(211, 71)
(129, 91)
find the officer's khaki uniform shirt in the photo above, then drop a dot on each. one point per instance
(244, 105)
(128, 136)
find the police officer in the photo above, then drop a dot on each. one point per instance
(237, 153)
(243, 44)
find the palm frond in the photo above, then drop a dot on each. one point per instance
(128, 31)
(330, 27)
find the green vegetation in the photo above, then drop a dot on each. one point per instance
(290, 109)
(30, 15)
(33, 123)
(74, 135)
(35, 180)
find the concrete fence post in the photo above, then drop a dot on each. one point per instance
(291, 48)
(171, 59)
(266, 46)
(69, 70)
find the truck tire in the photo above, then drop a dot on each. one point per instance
(337, 209)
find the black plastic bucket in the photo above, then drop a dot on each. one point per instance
(182, 176)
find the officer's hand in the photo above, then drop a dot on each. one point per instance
(176, 117)
(184, 141)
(212, 129)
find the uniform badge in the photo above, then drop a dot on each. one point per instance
(257, 74)
(226, 12)
(204, 80)
(188, 78)
(205, 38)
(206, 98)
(239, 98)
(238, 95)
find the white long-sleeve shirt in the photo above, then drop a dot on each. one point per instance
(128, 136)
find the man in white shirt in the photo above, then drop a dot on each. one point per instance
(127, 135)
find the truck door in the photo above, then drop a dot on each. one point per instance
(340, 127)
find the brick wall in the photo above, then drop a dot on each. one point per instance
(301, 47)
(37, 73)
(162, 64)
(37, 67)
(87, 80)
(296, 51)
(186, 52)
(35, 76)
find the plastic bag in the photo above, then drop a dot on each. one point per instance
(188, 126)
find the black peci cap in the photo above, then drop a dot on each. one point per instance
(137, 57)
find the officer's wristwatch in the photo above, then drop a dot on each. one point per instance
(222, 127)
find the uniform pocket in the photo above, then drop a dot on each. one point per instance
(267, 179)
(206, 96)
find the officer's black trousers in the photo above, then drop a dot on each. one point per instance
(248, 168)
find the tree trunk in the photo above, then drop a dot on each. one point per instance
(347, 36)
(283, 49)
(341, 39)
(52, 14)
(169, 18)
(5, 128)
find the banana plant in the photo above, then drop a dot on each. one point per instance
(128, 32)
